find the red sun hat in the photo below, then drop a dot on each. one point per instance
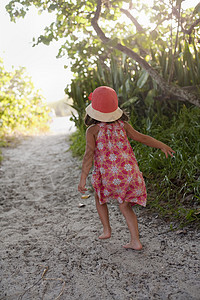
(104, 106)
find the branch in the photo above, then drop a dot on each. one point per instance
(139, 28)
(161, 21)
(169, 89)
(189, 31)
(94, 21)
(133, 20)
(100, 32)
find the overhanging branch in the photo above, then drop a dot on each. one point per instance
(139, 28)
(133, 20)
(169, 89)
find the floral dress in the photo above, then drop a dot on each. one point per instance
(116, 174)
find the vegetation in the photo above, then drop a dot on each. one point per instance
(93, 30)
(173, 184)
(21, 107)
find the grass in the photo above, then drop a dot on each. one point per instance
(77, 140)
(173, 184)
(1, 156)
(7, 141)
(3, 143)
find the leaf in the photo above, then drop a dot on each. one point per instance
(197, 9)
(129, 103)
(85, 196)
(149, 100)
(53, 6)
(154, 34)
(124, 57)
(143, 79)
(127, 85)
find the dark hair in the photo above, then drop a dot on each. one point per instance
(90, 121)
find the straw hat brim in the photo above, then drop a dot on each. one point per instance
(103, 117)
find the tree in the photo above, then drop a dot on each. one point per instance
(95, 29)
(21, 106)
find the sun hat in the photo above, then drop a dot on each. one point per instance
(104, 106)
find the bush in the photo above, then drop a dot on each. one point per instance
(21, 106)
(173, 183)
(78, 142)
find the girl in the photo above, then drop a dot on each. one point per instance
(116, 174)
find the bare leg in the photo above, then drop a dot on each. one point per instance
(102, 210)
(132, 223)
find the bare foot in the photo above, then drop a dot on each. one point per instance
(133, 245)
(105, 235)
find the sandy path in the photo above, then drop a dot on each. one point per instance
(42, 225)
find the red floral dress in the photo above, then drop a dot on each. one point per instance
(116, 174)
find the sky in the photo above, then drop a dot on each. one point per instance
(47, 72)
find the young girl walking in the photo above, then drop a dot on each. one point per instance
(116, 174)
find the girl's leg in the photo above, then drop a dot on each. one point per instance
(102, 210)
(132, 223)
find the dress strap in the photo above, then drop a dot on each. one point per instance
(102, 124)
(121, 123)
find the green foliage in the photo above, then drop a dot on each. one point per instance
(135, 89)
(78, 142)
(71, 21)
(21, 108)
(173, 183)
(186, 71)
(1, 157)
(118, 75)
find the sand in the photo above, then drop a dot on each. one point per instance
(49, 243)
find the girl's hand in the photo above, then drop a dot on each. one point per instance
(81, 187)
(167, 150)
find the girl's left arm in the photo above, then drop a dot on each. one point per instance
(87, 158)
(148, 140)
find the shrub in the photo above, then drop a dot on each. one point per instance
(173, 183)
(21, 106)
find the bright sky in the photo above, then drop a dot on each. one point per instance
(47, 72)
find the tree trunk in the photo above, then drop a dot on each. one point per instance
(170, 90)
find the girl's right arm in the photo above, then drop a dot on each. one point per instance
(87, 158)
(147, 140)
